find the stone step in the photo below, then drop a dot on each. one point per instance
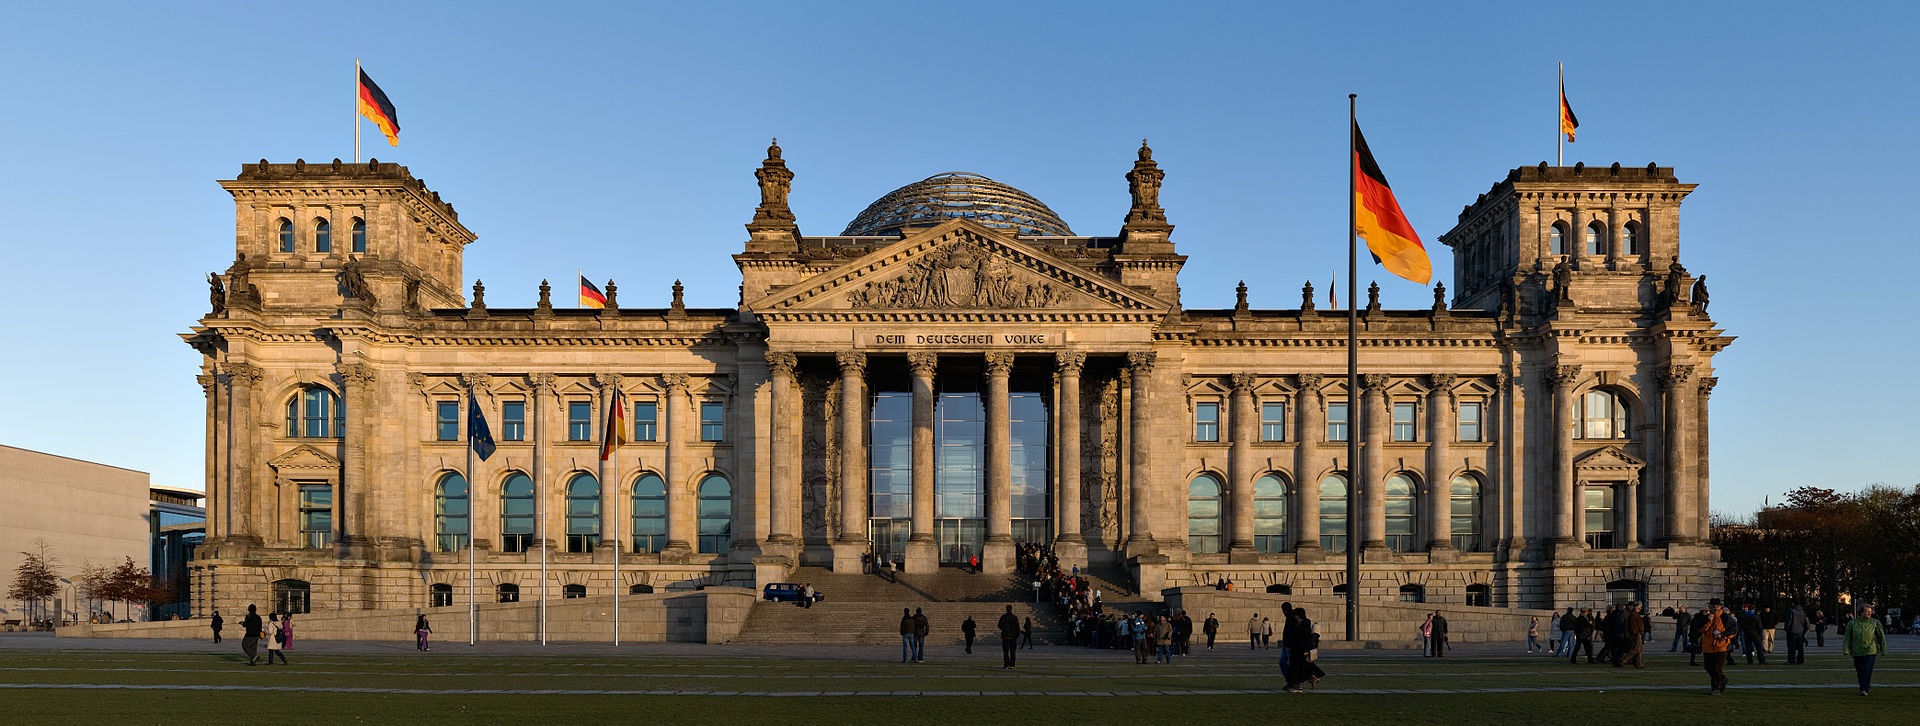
(867, 623)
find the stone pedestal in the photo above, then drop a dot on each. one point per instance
(923, 557)
(846, 556)
(1070, 552)
(769, 569)
(1149, 574)
(996, 557)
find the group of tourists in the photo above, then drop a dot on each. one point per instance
(277, 630)
(1621, 630)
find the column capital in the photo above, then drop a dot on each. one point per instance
(1069, 363)
(999, 365)
(1443, 382)
(1673, 377)
(1374, 383)
(1309, 382)
(542, 383)
(607, 381)
(1562, 377)
(476, 381)
(244, 373)
(357, 374)
(1141, 363)
(923, 364)
(206, 382)
(851, 364)
(1706, 385)
(782, 364)
(1243, 382)
(674, 382)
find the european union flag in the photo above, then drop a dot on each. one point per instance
(479, 436)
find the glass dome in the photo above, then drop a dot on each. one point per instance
(957, 195)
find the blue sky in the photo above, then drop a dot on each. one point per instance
(621, 138)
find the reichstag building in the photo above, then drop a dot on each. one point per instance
(955, 374)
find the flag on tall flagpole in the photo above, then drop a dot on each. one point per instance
(616, 434)
(590, 295)
(479, 434)
(1568, 122)
(375, 106)
(1333, 292)
(1378, 219)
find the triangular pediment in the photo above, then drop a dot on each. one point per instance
(958, 266)
(304, 458)
(1609, 459)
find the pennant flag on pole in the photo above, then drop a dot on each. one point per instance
(375, 106)
(1378, 219)
(1568, 122)
(616, 433)
(479, 435)
(590, 296)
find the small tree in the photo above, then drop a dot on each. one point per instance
(91, 583)
(127, 584)
(36, 580)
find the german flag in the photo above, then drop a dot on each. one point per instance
(616, 432)
(1378, 219)
(590, 296)
(1568, 122)
(375, 106)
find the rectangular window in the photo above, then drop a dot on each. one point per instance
(513, 421)
(579, 420)
(1599, 517)
(1336, 422)
(446, 420)
(316, 516)
(1403, 421)
(646, 421)
(1273, 421)
(1470, 422)
(713, 422)
(1206, 422)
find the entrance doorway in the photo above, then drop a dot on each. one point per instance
(889, 538)
(959, 539)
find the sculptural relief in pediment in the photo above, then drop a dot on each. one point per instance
(962, 275)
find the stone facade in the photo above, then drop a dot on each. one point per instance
(1539, 439)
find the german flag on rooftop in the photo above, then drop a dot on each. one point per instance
(375, 106)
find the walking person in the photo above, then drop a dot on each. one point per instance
(1819, 628)
(1750, 642)
(1633, 640)
(250, 628)
(1211, 627)
(1026, 634)
(1300, 641)
(1439, 635)
(420, 632)
(1266, 634)
(1680, 621)
(1533, 634)
(1582, 636)
(1796, 627)
(1009, 637)
(1565, 626)
(968, 629)
(1864, 640)
(920, 631)
(1694, 625)
(906, 635)
(1163, 640)
(1254, 629)
(276, 639)
(1716, 644)
(286, 627)
(1426, 637)
(218, 622)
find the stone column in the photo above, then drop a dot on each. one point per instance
(1566, 499)
(541, 399)
(681, 502)
(356, 526)
(1695, 527)
(1375, 409)
(242, 378)
(1440, 404)
(997, 554)
(853, 463)
(216, 499)
(1629, 496)
(1068, 544)
(609, 472)
(923, 553)
(783, 458)
(1677, 385)
(1140, 456)
(1306, 487)
(1244, 418)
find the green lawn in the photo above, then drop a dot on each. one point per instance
(721, 684)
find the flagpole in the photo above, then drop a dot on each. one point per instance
(1559, 115)
(473, 621)
(614, 462)
(356, 134)
(1353, 377)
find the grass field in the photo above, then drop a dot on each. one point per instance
(674, 683)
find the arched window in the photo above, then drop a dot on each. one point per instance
(315, 413)
(1333, 513)
(1464, 507)
(570, 592)
(1557, 239)
(1630, 239)
(1413, 593)
(1601, 415)
(1401, 513)
(293, 597)
(450, 513)
(1596, 239)
(322, 236)
(1269, 514)
(1480, 596)
(1203, 514)
(583, 513)
(516, 513)
(1279, 589)
(286, 236)
(716, 514)
(640, 590)
(507, 592)
(359, 235)
(649, 513)
(439, 595)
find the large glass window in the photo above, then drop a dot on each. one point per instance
(1269, 514)
(286, 236)
(359, 235)
(513, 421)
(450, 513)
(649, 513)
(961, 435)
(1464, 499)
(646, 421)
(713, 421)
(1403, 418)
(316, 515)
(1336, 422)
(1600, 415)
(1401, 513)
(1596, 239)
(1206, 421)
(716, 514)
(890, 456)
(583, 513)
(1203, 514)
(1273, 421)
(1028, 426)
(579, 420)
(1469, 415)
(1599, 513)
(315, 413)
(322, 236)
(1333, 513)
(1557, 239)
(516, 513)
(446, 420)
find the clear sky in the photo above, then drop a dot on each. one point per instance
(621, 138)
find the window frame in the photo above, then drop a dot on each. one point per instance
(579, 428)
(445, 539)
(713, 430)
(1273, 428)
(1557, 234)
(287, 244)
(1618, 420)
(1630, 239)
(1334, 542)
(1408, 540)
(322, 236)
(646, 428)
(587, 538)
(1475, 517)
(446, 426)
(302, 418)
(512, 541)
(359, 244)
(1206, 430)
(513, 428)
(1274, 540)
(656, 536)
(309, 511)
(713, 543)
(1594, 242)
(439, 595)
(1408, 429)
(1477, 422)
(1201, 542)
(1600, 538)
(1344, 422)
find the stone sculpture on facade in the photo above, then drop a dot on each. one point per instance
(963, 275)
